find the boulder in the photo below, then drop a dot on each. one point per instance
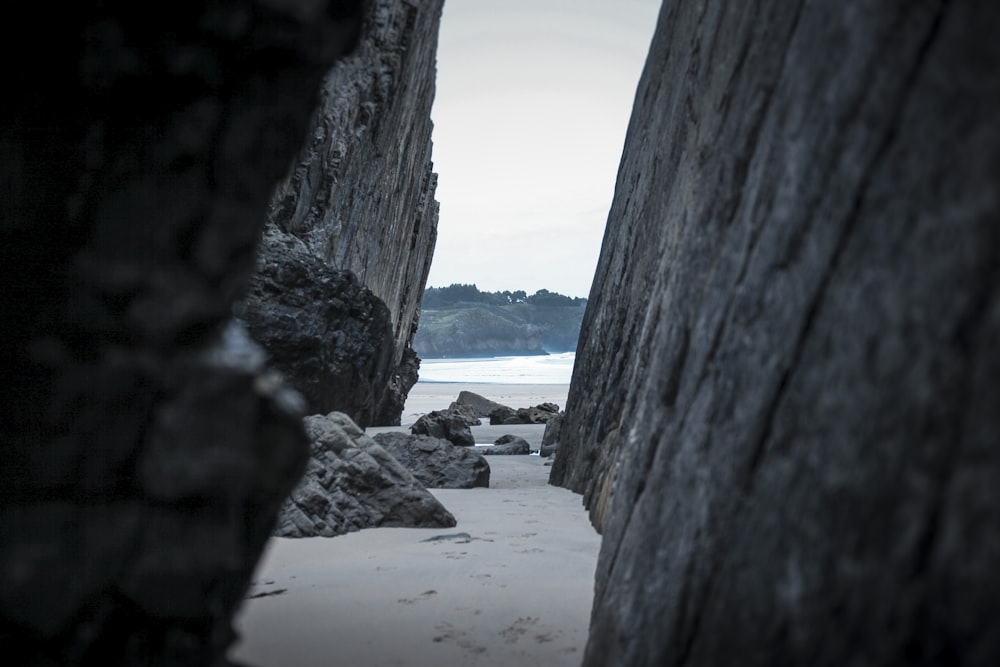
(467, 413)
(478, 405)
(451, 426)
(351, 483)
(504, 415)
(508, 444)
(436, 462)
(538, 414)
(327, 333)
(550, 438)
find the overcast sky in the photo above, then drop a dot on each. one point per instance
(533, 100)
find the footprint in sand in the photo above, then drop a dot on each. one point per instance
(449, 633)
(522, 626)
(426, 595)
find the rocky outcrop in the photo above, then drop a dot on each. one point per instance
(508, 445)
(552, 435)
(322, 329)
(361, 195)
(144, 448)
(451, 426)
(538, 414)
(437, 463)
(477, 405)
(785, 402)
(352, 483)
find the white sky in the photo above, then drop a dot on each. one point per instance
(533, 100)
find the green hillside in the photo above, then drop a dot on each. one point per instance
(460, 321)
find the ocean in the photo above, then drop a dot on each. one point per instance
(540, 369)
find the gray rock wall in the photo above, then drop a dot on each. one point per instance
(144, 448)
(361, 194)
(785, 407)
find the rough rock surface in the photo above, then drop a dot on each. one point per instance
(507, 445)
(451, 426)
(538, 414)
(144, 450)
(330, 337)
(437, 463)
(361, 195)
(351, 483)
(785, 405)
(479, 405)
(552, 435)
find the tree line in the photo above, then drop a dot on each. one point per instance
(458, 294)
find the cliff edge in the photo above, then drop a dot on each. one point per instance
(360, 197)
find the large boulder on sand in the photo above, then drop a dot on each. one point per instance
(508, 444)
(452, 426)
(351, 483)
(437, 463)
(479, 405)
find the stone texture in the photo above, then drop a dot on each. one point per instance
(552, 435)
(508, 445)
(330, 337)
(351, 483)
(479, 405)
(451, 426)
(785, 403)
(437, 463)
(144, 448)
(361, 194)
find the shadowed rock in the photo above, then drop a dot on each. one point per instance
(437, 463)
(330, 337)
(785, 403)
(144, 448)
(479, 405)
(351, 483)
(360, 198)
(451, 426)
(507, 445)
(551, 436)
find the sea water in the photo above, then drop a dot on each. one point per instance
(539, 369)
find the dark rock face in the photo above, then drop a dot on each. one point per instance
(330, 337)
(479, 405)
(552, 435)
(361, 194)
(437, 463)
(144, 449)
(785, 403)
(451, 426)
(507, 445)
(351, 483)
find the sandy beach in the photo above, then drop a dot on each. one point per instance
(511, 584)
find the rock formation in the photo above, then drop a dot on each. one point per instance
(352, 482)
(361, 198)
(785, 405)
(480, 406)
(436, 462)
(451, 426)
(508, 445)
(323, 329)
(144, 449)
